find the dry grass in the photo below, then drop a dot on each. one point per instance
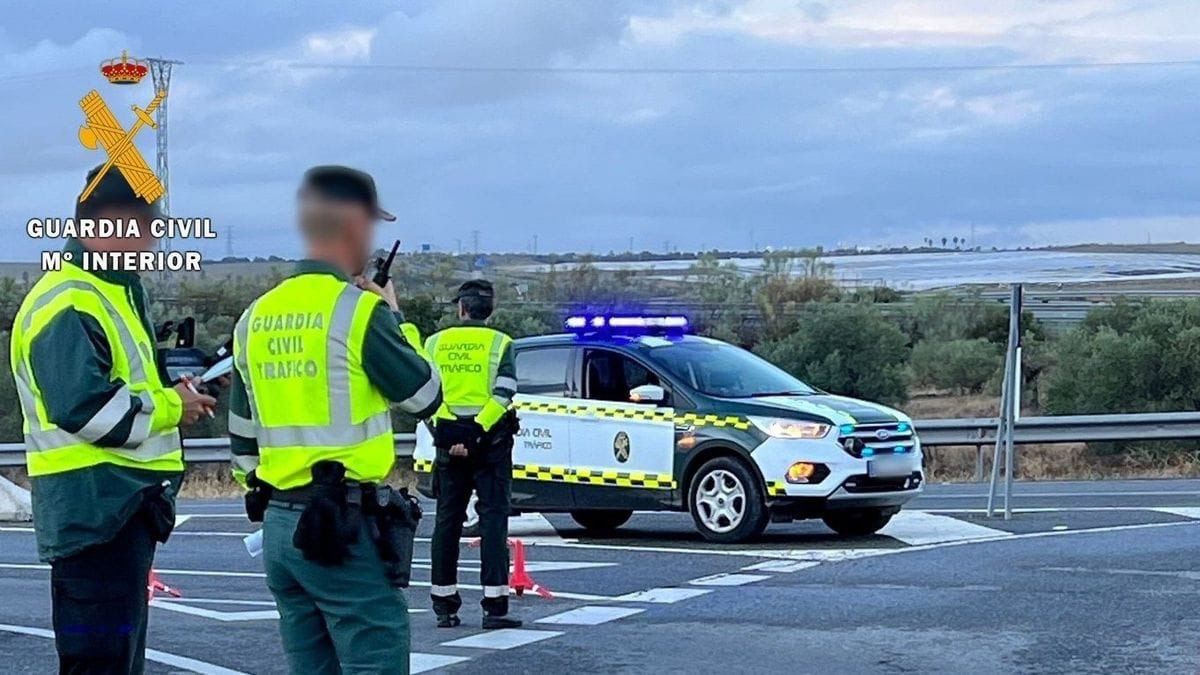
(1062, 462)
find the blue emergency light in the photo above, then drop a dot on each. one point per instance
(626, 323)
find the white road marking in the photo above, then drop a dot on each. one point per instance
(420, 663)
(1175, 574)
(728, 579)
(217, 615)
(662, 596)
(590, 615)
(567, 595)
(507, 638)
(1022, 495)
(781, 566)
(189, 664)
(1185, 511)
(531, 566)
(533, 527)
(181, 519)
(915, 527)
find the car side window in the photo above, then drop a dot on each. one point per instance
(543, 372)
(608, 376)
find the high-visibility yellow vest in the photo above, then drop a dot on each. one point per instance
(467, 358)
(51, 449)
(299, 351)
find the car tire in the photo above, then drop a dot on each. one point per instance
(601, 520)
(726, 501)
(857, 522)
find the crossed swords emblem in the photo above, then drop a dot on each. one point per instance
(103, 129)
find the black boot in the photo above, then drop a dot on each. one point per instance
(448, 620)
(494, 622)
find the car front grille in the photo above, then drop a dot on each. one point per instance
(881, 439)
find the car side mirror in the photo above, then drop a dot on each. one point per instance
(648, 393)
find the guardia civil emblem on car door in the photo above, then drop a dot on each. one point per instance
(621, 447)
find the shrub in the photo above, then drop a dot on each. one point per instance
(962, 365)
(845, 348)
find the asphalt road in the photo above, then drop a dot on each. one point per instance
(1086, 577)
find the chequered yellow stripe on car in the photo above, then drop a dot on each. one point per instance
(622, 478)
(563, 474)
(648, 414)
(776, 488)
(713, 420)
(535, 472)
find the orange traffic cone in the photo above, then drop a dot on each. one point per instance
(519, 578)
(154, 585)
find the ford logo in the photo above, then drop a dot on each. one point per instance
(883, 434)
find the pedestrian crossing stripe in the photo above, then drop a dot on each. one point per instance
(565, 474)
(644, 414)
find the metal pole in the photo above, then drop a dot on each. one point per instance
(1000, 428)
(1014, 398)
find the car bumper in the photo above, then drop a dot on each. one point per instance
(845, 480)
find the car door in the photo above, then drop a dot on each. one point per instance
(622, 453)
(541, 449)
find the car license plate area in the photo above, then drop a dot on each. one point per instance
(889, 467)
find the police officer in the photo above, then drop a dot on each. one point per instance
(101, 438)
(317, 360)
(473, 433)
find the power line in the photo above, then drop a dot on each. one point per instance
(731, 70)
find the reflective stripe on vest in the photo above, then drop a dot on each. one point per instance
(468, 358)
(341, 430)
(51, 449)
(298, 349)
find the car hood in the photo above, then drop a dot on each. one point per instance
(838, 409)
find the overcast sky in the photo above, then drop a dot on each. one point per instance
(589, 162)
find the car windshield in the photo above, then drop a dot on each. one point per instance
(720, 369)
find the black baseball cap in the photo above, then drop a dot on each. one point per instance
(341, 183)
(475, 288)
(114, 190)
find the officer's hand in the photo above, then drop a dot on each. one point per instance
(458, 450)
(194, 404)
(388, 292)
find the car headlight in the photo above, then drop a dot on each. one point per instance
(785, 428)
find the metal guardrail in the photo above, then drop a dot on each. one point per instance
(970, 431)
(1063, 429)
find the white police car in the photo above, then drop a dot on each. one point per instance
(626, 413)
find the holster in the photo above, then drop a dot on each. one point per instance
(332, 518)
(392, 516)
(257, 498)
(158, 508)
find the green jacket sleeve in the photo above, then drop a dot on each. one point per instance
(391, 363)
(243, 441)
(503, 390)
(71, 362)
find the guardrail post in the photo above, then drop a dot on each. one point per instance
(1010, 397)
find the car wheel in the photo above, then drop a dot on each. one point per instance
(471, 521)
(726, 501)
(597, 520)
(857, 522)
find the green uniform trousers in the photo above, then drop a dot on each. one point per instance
(345, 619)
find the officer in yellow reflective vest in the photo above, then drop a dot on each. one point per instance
(101, 438)
(319, 359)
(473, 433)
